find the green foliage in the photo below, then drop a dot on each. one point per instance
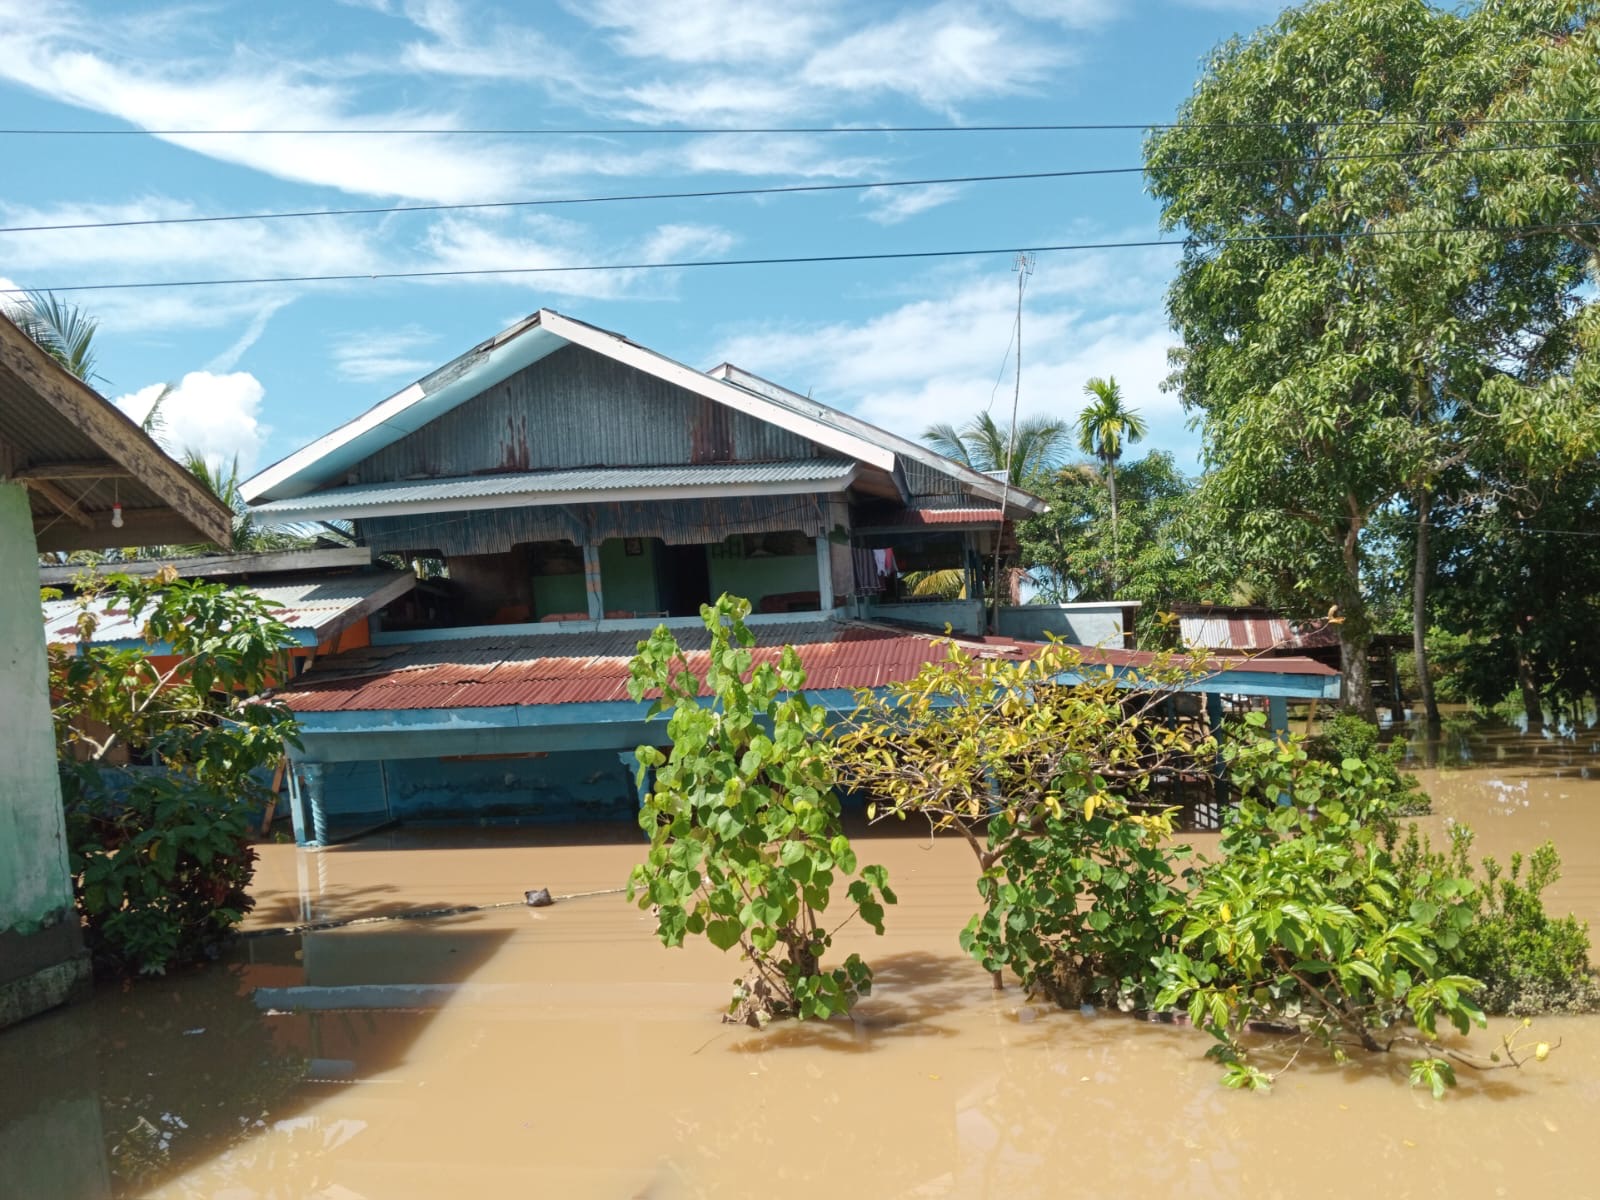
(745, 839)
(1305, 921)
(1528, 961)
(1074, 909)
(1347, 735)
(985, 446)
(161, 860)
(162, 868)
(1074, 553)
(1046, 782)
(64, 331)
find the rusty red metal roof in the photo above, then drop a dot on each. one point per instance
(590, 667)
(918, 518)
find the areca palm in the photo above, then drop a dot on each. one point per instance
(1105, 426)
(985, 446)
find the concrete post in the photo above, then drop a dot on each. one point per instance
(824, 574)
(591, 581)
(312, 773)
(42, 960)
(1278, 715)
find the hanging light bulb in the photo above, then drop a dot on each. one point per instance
(116, 516)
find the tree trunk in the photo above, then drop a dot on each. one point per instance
(1419, 615)
(1116, 541)
(1354, 633)
(1356, 683)
(1528, 682)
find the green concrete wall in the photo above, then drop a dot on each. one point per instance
(41, 950)
(629, 580)
(754, 578)
(34, 884)
(559, 594)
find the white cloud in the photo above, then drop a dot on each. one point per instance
(939, 57)
(709, 31)
(217, 416)
(890, 206)
(466, 47)
(935, 358)
(230, 357)
(70, 59)
(373, 356)
(670, 243)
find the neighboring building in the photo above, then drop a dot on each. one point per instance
(74, 474)
(574, 490)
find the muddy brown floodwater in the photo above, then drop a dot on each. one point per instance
(561, 1052)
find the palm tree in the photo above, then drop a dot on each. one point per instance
(985, 446)
(64, 331)
(1104, 426)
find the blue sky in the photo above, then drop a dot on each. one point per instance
(261, 369)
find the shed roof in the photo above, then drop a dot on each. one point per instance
(315, 608)
(533, 488)
(78, 456)
(592, 666)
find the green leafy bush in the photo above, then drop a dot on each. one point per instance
(160, 855)
(1527, 961)
(1075, 909)
(745, 838)
(1304, 922)
(1041, 778)
(1349, 735)
(162, 869)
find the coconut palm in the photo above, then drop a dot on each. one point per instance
(1105, 426)
(64, 331)
(985, 446)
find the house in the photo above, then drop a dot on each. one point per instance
(74, 474)
(564, 490)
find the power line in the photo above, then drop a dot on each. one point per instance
(785, 189)
(802, 259)
(703, 131)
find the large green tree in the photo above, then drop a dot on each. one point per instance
(1363, 299)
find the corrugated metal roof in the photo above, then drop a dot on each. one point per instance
(1238, 634)
(317, 605)
(557, 483)
(917, 518)
(588, 667)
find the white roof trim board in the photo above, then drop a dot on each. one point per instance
(330, 456)
(585, 486)
(327, 460)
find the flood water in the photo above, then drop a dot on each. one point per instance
(562, 1052)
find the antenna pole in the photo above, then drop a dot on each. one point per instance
(1023, 266)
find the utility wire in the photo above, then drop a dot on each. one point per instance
(631, 131)
(795, 260)
(785, 189)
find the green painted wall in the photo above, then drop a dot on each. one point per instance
(559, 594)
(754, 578)
(35, 887)
(629, 580)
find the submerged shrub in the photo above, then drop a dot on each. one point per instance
(162, 869)
(160, 853)
(1349, 735)
(1044, 780)
(1527, 961)
(743, 819)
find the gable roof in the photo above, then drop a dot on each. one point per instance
(326, 461)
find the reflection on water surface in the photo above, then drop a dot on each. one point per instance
(561, 1051)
